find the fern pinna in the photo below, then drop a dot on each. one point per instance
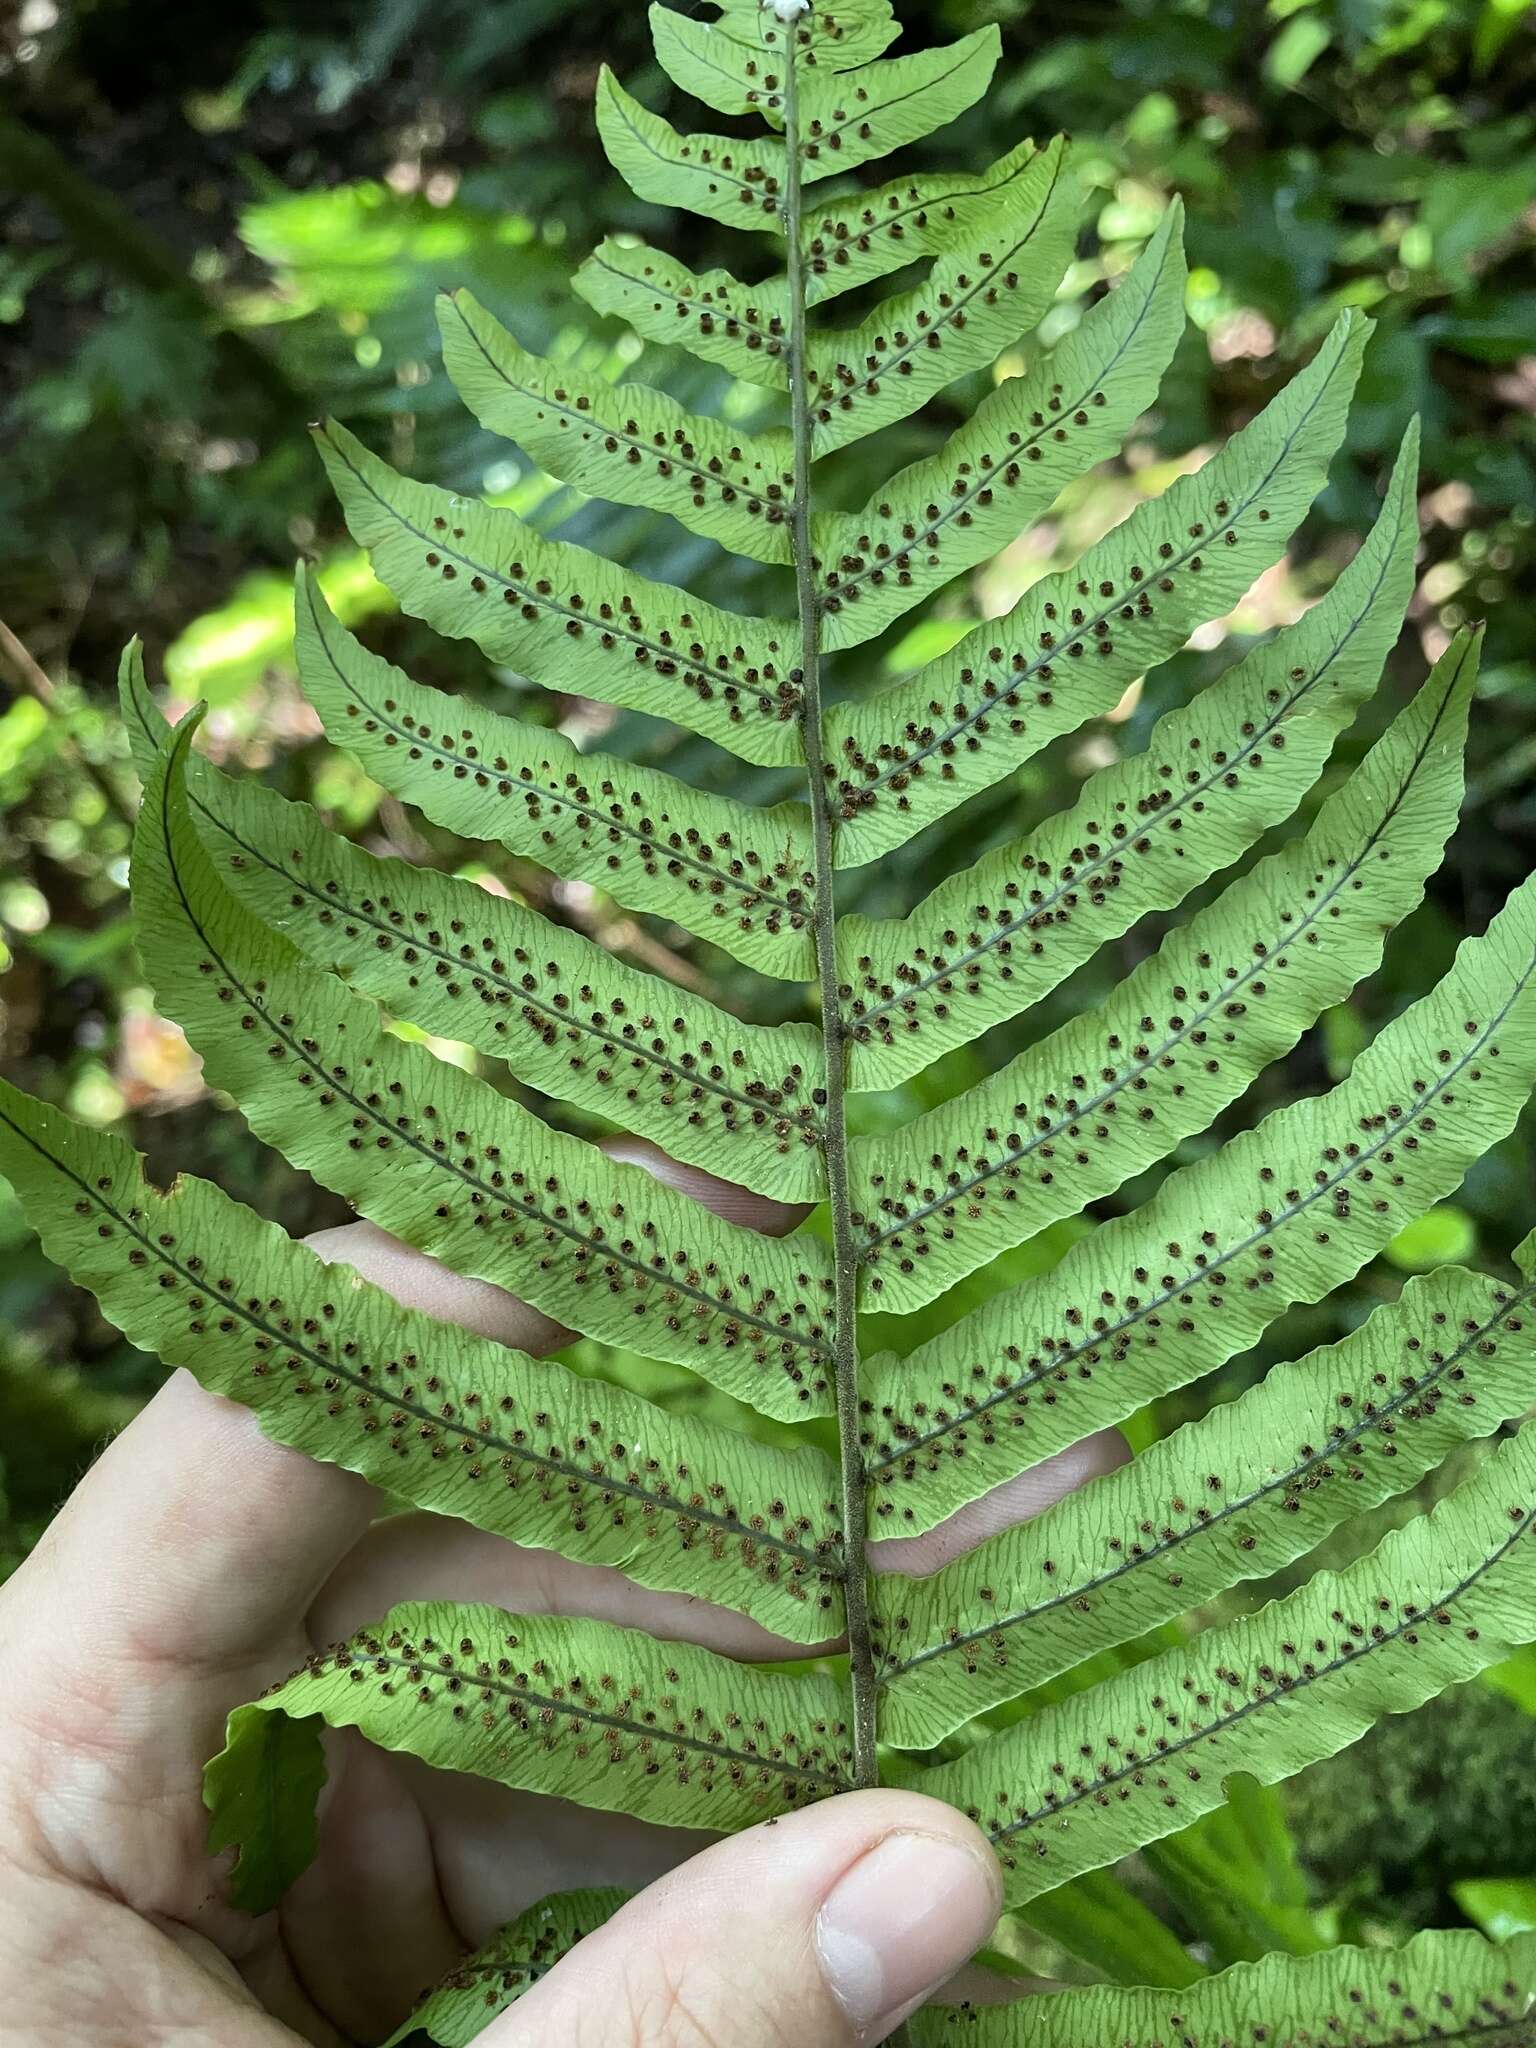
(1047, 1682)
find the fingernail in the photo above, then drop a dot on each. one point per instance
(901, 1921)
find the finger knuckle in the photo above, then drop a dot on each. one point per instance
(694, 2007)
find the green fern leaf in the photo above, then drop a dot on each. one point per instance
(1010, 461)
(622, 441)
(741, 327)
(976, 300)
(738, 875)
(1440, 1988)
(496, 1976)
(738, 183)
(1342, 1429)
(991, 941)
(908, 754)
(683, 1737)
(1280, 1214)
(846, 122)
(737, 62)
(482, 970)
(264, 1798)
(473, 1178)
(1115, 1088)
(450, 1422)
(1148, 1750)
(868, 234)
(572, 620)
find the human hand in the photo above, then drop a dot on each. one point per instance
(198, 1563)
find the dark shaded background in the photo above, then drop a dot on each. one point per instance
(222, 221)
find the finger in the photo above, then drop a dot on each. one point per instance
(191, 1548)
(1016, 1500)
(424, 1557)
(735, 1203)
(368, 1923)
(823, 1930)
(419, 1282)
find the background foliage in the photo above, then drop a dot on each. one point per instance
(217, 230)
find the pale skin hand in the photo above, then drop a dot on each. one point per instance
(199, 1562)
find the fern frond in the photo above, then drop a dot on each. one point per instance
(1009, 462)
(1147, 1750)
(909, 753)
(576, 1709)
(307, 972)
(565, 616)
(496, 1976)
(450, 1422)
(734, 873)
(275, 1839)
(623, 442)
(847, 122)
(991, 941)
(1339, 1431)
(473, 1178)
(1280, 1214)
(736, 182)
(1440, 1988)
(483, 970)
(1114, 1088)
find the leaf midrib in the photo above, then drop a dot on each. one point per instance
(822, 135)
(593, 1717)
(697, 473)
(757, 149)
(694, 304)
(919, 202)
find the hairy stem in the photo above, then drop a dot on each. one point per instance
(845, 1339)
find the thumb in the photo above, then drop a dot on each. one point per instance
(820, 1931)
